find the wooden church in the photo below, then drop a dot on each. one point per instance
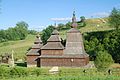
(55, 54)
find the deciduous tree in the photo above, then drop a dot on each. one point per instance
(103, 60)
(114, 18)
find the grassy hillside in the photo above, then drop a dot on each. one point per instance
(93, 25)
(20, 47)
(97, 24)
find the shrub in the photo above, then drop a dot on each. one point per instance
(37, 71)
(4, 72)
(103, 60)
(19, 72)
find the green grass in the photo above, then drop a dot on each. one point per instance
(94, 25)
(95, 77)
(19, 47)
(69, 74)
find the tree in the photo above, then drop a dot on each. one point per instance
(21, 29)
(91, 46)
(46, 33)
(82, 22)
(3, 35)
(22, 24)
(114, 18)
(103, 60)
(19, 32)
(60, 26)
(103, 40)
(82, 19)
(112, 44)
(33, 32)
(68, 25)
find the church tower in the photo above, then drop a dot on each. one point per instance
(74, 43)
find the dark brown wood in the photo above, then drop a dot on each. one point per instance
(51, 52)
(31, 60)
(66, 62)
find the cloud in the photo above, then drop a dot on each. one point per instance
(60, 19)
(101, 14)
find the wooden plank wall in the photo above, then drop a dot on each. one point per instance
(67, 62)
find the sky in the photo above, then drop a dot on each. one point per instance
(40, 13)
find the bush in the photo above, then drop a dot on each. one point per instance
(19, 72)
(4, 72)
(37, 71)
(103, 60)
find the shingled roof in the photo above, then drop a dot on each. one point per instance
(37, 40)
(54, 42)
(37, 46)
(53, 45)
(54, 38)
(55, 32)
(74, 41)
(35, 50)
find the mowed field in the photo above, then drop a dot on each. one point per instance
(20, 47)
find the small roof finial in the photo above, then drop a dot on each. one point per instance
(73, 13)
(73, 18)
(74, 24)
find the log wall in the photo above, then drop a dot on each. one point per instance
(31, 60)
(64, 62)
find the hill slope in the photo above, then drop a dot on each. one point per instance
(20, 47)
(92, 25)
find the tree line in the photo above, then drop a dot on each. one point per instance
(19, 32)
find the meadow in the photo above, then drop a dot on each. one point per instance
(20, 73)
(19, 47)
(68, 78)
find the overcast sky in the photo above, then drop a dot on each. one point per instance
(38, 13)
